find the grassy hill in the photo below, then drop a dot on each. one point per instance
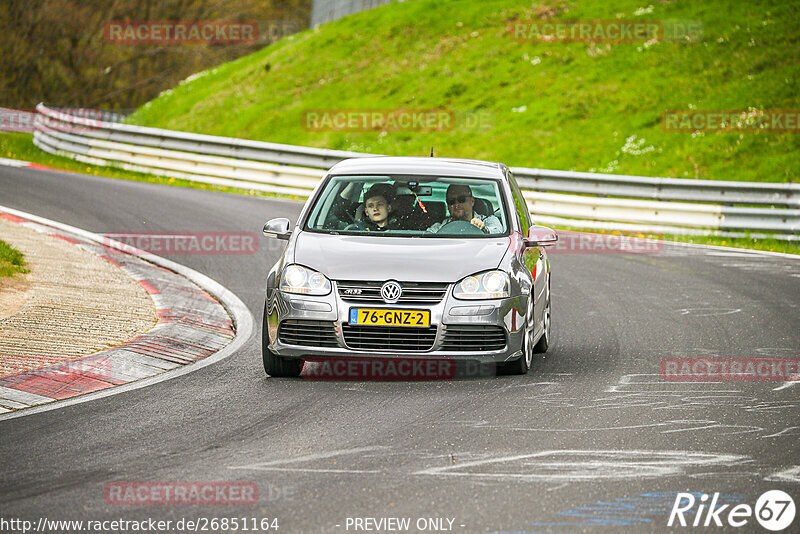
(575, 106)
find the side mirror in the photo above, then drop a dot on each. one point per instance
(278, 228)
(541, 236)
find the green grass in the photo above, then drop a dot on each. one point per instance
(20, 146)
(582, 103)
(11, 261)
(586, 107)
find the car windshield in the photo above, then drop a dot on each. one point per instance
(424, 206)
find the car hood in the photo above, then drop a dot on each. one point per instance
(400, 258)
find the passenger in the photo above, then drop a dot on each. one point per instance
(378, 209)
(460, 203)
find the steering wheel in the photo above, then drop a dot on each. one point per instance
(460, 228)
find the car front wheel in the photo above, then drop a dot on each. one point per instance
(274, 365)
(522, 365)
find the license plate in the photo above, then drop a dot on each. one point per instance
(374, 317)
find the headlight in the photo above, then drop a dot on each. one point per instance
(488, 285)
(299, 279)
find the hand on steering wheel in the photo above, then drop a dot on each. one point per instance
(460, 227)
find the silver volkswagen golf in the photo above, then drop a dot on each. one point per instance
(409, 257)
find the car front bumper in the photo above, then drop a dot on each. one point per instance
(449, 317)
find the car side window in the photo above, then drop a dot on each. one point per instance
(520, 205)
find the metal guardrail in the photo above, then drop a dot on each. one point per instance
(323, 11)
(712, 191)
(650, 204)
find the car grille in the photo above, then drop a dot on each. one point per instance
(413, 292)
(307, 333)
(388, 337)
(474, 338)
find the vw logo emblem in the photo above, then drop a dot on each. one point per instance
(391, 291)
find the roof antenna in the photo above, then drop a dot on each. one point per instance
(431, 151)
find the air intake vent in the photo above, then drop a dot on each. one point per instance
(307, 333)
(388, 337)
(477, 338)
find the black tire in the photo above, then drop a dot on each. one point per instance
(274, 365)
(544, 342)
(516, 367)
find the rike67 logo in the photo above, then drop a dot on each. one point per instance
(774, 510)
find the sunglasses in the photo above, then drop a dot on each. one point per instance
(459, 199)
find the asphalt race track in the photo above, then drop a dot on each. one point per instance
(592, 440)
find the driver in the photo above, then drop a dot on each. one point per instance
(460, 203)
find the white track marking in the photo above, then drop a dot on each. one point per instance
(729, 254)
(679, 387)
(314, 470)
(578, 465)
(785, 385)
(784, 431)
(273, 464)
(791, 474)
(708, 312)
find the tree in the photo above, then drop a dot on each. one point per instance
(58, 52)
